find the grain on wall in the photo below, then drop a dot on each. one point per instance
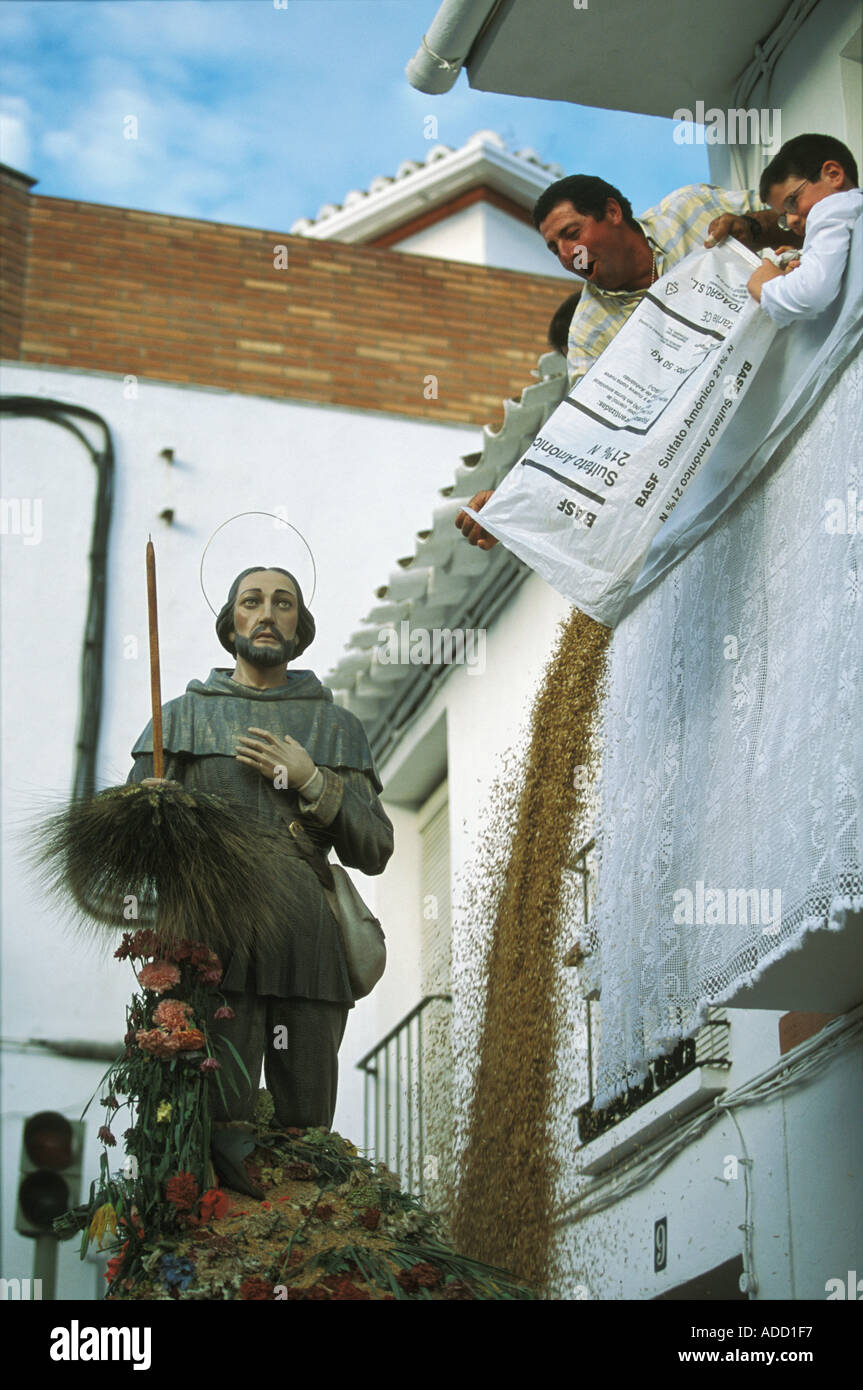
(507, 1178)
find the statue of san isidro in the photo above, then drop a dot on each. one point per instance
(273, 743)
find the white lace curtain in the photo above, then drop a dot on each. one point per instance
(733, 749)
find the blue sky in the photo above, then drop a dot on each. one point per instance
(258, 115)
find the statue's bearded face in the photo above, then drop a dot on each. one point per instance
(266, 613)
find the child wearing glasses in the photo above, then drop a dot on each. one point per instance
(812, 183)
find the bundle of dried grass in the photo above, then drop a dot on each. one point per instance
(161, 856)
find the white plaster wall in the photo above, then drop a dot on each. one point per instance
(485, 713)
(807, 81)
(806, 87)
(395, 900)
(806, 1191)
(514, 245)
(610, 1254)
(485, 235)
(806, 1207)
(399, 906)
(456, 238)
(357, 484)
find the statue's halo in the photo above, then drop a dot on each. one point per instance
(236, 566)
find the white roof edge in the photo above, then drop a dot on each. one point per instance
(480, 160)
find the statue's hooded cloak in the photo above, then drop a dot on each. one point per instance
(200, 733)
(200, 725)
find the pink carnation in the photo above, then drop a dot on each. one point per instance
(224, 1012)
(210, 1064)
(159, 1042)
(159, 976)
(172, 1013)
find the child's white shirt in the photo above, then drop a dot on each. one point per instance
(811, 288)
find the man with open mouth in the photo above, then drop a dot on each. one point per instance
(589, 226)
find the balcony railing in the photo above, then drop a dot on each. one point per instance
(396, 1126)
(709, 1047)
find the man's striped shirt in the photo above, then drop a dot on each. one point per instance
(674, 228)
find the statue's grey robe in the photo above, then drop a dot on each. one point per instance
(200, 732)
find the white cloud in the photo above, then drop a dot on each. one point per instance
(15, 138)
(166, 149)
(263, 115)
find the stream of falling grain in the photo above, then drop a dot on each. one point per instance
(503, 1209)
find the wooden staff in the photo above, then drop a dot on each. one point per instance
(155, 680)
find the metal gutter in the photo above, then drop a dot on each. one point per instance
(455, 28)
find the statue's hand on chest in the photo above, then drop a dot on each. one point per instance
(278, 758)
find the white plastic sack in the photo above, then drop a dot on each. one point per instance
(614, 459)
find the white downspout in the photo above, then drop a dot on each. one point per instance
(438, 61)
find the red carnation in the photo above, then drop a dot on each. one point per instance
(113, 1266)
(214, 1203)
(138, 945)
(182, 1191)
(106, 1136)
(209, 966)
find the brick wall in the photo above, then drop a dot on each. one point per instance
(14, 238)
(173, 299)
